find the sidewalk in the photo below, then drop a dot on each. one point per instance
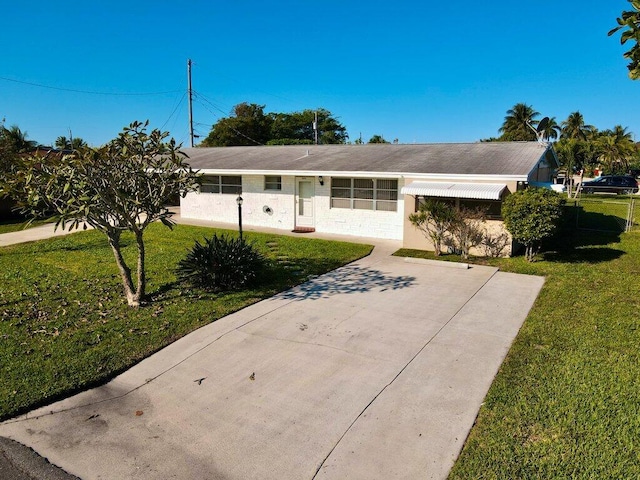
(40, 232)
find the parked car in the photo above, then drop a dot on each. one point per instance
(611, 184)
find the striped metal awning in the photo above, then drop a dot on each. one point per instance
(479, 191)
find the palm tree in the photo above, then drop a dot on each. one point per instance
(518, 123)
(64, 143)
(615, 148)
(551, 130)
(622, 134)
(17, 139)
(629, 22)
(574, 127)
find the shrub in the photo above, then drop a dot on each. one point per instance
(434, 219)
(221, 263)
(531, 216)
(467, 230)
(493, 245)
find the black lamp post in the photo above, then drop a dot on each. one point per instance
(239, 202)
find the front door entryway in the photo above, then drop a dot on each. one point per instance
(304, 203)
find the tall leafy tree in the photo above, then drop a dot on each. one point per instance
(575, 127)
(377, 139)
(247, 125)
(292, 128)
(629, 22)
(518, 123)
(297, 128)
(330, 129)
(122, 186)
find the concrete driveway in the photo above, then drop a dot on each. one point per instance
(374, 371)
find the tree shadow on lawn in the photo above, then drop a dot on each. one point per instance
(573, 245)
(347, 280)
(584, 255)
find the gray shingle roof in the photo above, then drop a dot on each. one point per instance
(491, 158)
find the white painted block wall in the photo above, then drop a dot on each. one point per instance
(223, 208)
(219, 207)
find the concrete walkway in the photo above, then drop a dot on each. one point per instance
(41, 232)
(375, 370)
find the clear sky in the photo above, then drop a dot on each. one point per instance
(419, 71)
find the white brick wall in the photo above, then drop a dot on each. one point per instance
(223, 208)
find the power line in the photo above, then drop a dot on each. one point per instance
(174, 110)
(90, 92)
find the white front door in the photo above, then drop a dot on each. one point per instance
(304, 202)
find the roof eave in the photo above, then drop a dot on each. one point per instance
(362, 174)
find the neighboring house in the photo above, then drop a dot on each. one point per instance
(361, 190)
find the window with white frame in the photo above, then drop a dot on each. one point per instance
(231, 184)
(273, 182)
(365, 194)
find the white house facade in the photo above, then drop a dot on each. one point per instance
(359, 190)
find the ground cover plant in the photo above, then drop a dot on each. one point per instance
(64, 324)
(565, 401)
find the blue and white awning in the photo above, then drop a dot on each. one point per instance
(479, 191)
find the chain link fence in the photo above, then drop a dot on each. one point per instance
(607, 212)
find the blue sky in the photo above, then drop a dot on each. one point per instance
(419, 71)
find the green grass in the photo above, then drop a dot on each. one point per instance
(566, 401)
(13, 225)
(65, 326)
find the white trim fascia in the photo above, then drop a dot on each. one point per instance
(441, 177)
(360, 174)
(301, 173)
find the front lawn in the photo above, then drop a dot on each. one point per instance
(13, 225)
(566, 402)
(65, 326)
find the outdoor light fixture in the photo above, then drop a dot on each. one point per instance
(321, 180)
(239, 202)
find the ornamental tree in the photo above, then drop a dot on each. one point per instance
(532, 215)
(467, 230)
(122, 186)
(434, 219)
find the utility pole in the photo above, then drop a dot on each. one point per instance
(315, 127)
(190, 102)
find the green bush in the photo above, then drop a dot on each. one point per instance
(531, 216)
(221, 263)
